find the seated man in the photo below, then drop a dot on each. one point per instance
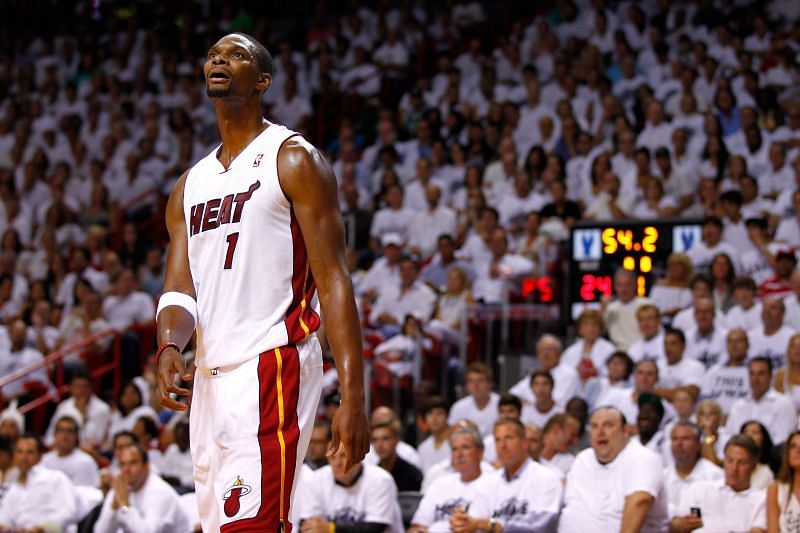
(95, 413)
(409, 297)
(316, 455)
(645, 377)
(385, 438)
(140, 500)
(521, 496)
(689, 467)
(616, 485)
(509, 406)
(385, 415)
(481, 404)
(40, 499)
(705, 342)
(728, 381)
(648, 423)
(543, 407)
(365, 499)
(558, 435)
(566, 380)
(678, 371)
(437, 446)
(78, 465)
(176, 463)
(651, 343)
(454, 491)
(726, 504)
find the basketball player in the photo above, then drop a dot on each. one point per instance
(256, 247)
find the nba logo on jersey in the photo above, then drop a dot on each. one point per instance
(257, 160)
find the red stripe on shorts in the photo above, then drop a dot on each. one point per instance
(273, 474)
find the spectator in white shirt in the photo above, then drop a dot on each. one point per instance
(677, 371)
(95, 414)
(548, 356)
(140, 500)
(395, 218)
(543, 407)
(411, 297)
(499, 276)
(672, 293)
(40, 499)
(559, 434)
(746, 313)
(480, 407)
(626, 400)
(786, 378)
(688, 467)
(728, 504)
(727, 381)
(20, 356)
(78, 465)
(620, 314)
(764, 404)
(436, 447)
(762, 475)
(321, 436)
(385, 270)
(783, 506)
(702, 253)
(590, 352)
(128, 306)
(609, 204)
(632, 497)
(509, 406)
(176, 463)
(521, 496)
(648, 423)
(423, 238)
(651, 342)
(705, 343)
(772, 339)
(458, 490)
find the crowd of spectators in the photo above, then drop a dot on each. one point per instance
(467, 138)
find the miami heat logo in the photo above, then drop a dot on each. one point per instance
(232, 495)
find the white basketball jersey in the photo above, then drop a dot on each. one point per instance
(248, 260)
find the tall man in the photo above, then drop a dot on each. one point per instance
(254, 231)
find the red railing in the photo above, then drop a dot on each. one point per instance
(55, 362)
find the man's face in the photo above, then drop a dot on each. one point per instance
(446, 249)
(645, 376)
(712, 233)
(739, 466)
(772, 313)
(625, 286)
(534, 436)
(132, 468)
(318, 446)
(760, 378)
(704, 314)
(464, 454)
(548, 354)
(80, 389)
(542, 389)
(408, 273)
(685, 446)
(649, 323)
(385, 442)
(648, 419)
(231, 68)
(744, 297)
(512, 448)
(66, 436)
(478, 385)
(26, 454)
(737, 345)
(607, 434)
(508, 411)
(436, 419)
(337, 462)
(673, 348)
(498, 242)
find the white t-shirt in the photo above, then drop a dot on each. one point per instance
(708, 350)
(726, 384)
(178, 464)
(123, 311)
(724, 509)
(774, 410)
(746, 319)
(79, 467)
(429, 455)
(675, 485)
(446, 494)
(443, 468)
(48, 496)
(467, 409)
(701, 255)
(622, 399)
(560, 464)
(567, 385)
(595, 495)
(529, 501)
(772, 346)
(652, 348)
(95, 426)
(685, 372)
(155, 507)
(372, 498)
(601, 350)
(531, 415)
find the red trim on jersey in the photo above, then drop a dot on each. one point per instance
(268, 517)
(299, 313)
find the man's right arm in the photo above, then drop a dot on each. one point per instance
(174, 323)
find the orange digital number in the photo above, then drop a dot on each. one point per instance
(645, 264)
(650, 239)
(625, 238)
(629, 263)
(609, 240)
(641, 287)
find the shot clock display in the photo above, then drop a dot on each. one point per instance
(599, 249)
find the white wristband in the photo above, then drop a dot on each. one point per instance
(181, 300)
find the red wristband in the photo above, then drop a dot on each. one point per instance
(161, 349)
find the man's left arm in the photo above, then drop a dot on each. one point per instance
(310, 185)
(636, 507)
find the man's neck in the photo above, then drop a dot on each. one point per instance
(547, 452)
(471, 475)
(439, 437)
(512, 470)
(482, 401)
(239, 122)
(771, 329)
(732, 362)
(684, 469)
(760, 395)
(388, 463)
(545, 405)
(64, 453)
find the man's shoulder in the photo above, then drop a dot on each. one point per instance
(376, 476)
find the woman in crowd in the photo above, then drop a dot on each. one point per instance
(714, 436)
(591, 351)
(787, 379)
(452, 307)
(672, 293)
(722, 274)
(128, 408)
(762, 475)
(783, 501)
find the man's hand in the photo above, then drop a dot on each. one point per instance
(314, 525)
(350, 431)
(120, 486)
(682, 524)
(461, 522)
(171, 365)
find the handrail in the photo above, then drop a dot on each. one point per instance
(56, 356)
(138, 198)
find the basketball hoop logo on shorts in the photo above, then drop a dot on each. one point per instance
(232, 495)
(257, 160)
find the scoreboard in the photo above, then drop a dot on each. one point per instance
(598, 249)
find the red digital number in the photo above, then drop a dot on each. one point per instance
(541, 285)
(590, 284)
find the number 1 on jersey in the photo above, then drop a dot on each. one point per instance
(232, 239)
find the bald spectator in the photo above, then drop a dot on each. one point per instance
(632, 498)
(620, 313)
(565, 377)
(764, 404)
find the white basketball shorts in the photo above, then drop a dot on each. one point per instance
(250, 425)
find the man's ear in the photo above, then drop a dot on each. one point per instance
(265, 81)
